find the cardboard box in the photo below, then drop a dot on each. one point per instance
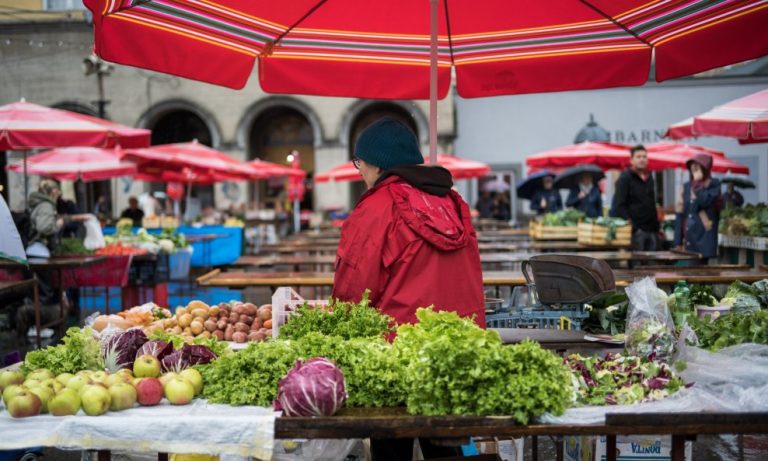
(507, 450)
(628, 447)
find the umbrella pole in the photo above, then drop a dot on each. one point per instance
(26, 183)
(433, 82)
(296, 216)
(512, 199)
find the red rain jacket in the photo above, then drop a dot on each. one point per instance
(411, 249)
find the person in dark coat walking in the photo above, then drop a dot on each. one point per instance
(698, 209)
(586, 198)
(732, 197)
(547, 199)
(484, 205)
(635, 200)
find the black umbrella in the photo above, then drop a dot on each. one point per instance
(570, 178)
(528, 186)
(739, 181)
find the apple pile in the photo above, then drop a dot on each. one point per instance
(96, 392)
(234, 321)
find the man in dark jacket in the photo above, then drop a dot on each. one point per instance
(635, 200)
(410, 241)
(547, 199)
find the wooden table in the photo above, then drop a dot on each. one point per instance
(241, 279)
(328, 247)
(52, 264)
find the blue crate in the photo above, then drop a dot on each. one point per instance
(179, 264)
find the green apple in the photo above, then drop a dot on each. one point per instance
(8, 378)
(179, 391)
(99, 376)
(194, 377)
(78, 382)
(64, 378)
(136, 381)
(122, 396)
(45, 394)
(24, 404)
(117, 378)
(53, 384)
(85, 373)
(32, 382)
(167, 377)
(125, 371)
(80, 392)
(65, 403)
(146, 366)
(95, 400)
(41, 374)
(10, 391)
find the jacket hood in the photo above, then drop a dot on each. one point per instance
(442, 221)
(434, 180)
(36, 198)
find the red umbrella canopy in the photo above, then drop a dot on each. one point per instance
(202, 163)
(459, 168)
(25, 126)
(604, 155)
(669, 155)
(273, 170)
(382, 49)
(73, 163)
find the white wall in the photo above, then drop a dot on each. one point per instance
(504, 130)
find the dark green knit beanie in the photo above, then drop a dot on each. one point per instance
(388, 143)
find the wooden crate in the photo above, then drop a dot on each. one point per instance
(537, 231)
(594, 234)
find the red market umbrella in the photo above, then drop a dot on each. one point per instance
(73, 163)
(604, 155)
(266, 170)
(202, 162)
(459, 168)
(745, 119)
(402, 49)
(24, 126)
(664, 155)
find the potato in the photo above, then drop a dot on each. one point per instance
(239, 337)
(176, 330)
(206, 334)
(247, 319)
(210, 325)
(200, 312)
(219, 335)
(197, 305)
(187, 331)
(221, 324)
(196, 327)
(185, 320)
(264, 313)
(256, 325)
(268, 324)
(229, 332)
(238, 309)
(240, 326)
(249, 309)
(234, 317)
(265, 306)
(181, 311)
(214, 311)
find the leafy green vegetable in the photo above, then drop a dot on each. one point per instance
(611, 223)
(568, 217)
(701, 295)
(71, 247)
(751, 220)
(742, 298)
(220, 348)
(608, 315)
(451, 366)
(79, 351)
(730, 329)
(345, 320)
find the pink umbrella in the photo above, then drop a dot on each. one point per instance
(459, 168)
(745, 119)
(200, 159)
(25, 126)
(73, 163)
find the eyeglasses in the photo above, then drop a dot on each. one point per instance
(356, 162)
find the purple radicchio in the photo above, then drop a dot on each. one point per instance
(119, 350)
(186, 357)
(312, 388)
(157, 348)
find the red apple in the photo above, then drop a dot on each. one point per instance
(24, 404)
(149, 391)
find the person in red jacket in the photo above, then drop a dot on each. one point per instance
(409, 239)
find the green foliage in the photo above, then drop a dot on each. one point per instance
(71, 247)
(608, 315)
(79, 351)
(568, 217)
(451, 366)
(701, 295)
(731, 329)
(342, 319)
(219, 348)
(611, 223)
(751, 220)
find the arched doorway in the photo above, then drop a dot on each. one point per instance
(275, 133)
(176, 125)
(364, 118)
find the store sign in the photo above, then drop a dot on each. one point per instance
(637, 136)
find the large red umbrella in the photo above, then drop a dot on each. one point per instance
(670, 155)
(73, 163)
(459, 168)
(24, 126)
(202, 162)
(406, 49)
(266, 169)
(745, 119)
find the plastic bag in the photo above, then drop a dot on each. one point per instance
(650, 330)
(94, 238)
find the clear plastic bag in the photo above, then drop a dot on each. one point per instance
(650, 330)
(94, 238)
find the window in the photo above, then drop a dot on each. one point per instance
(63, 5)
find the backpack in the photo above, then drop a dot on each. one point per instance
(23, 222)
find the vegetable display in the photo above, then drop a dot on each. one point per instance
(701, 295)
(621, 379)
(611, 223)
(311, 388)
(731, 329)
(567, 218)
(750, 220)
(70, 247)
(79, 351)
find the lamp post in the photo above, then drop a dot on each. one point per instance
(94, 65)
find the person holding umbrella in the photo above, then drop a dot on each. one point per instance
(732, 197)
(539, 189)
(584, 194)
(698, 209)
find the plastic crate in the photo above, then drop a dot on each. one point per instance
(179, 264)
(111, 272)
(285, 300)
(527, 317)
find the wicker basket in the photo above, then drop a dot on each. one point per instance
(595, 234)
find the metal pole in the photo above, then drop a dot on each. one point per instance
(26, 183)
(101, 102)
(433, 5)
(513, 198)
(296, 216)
